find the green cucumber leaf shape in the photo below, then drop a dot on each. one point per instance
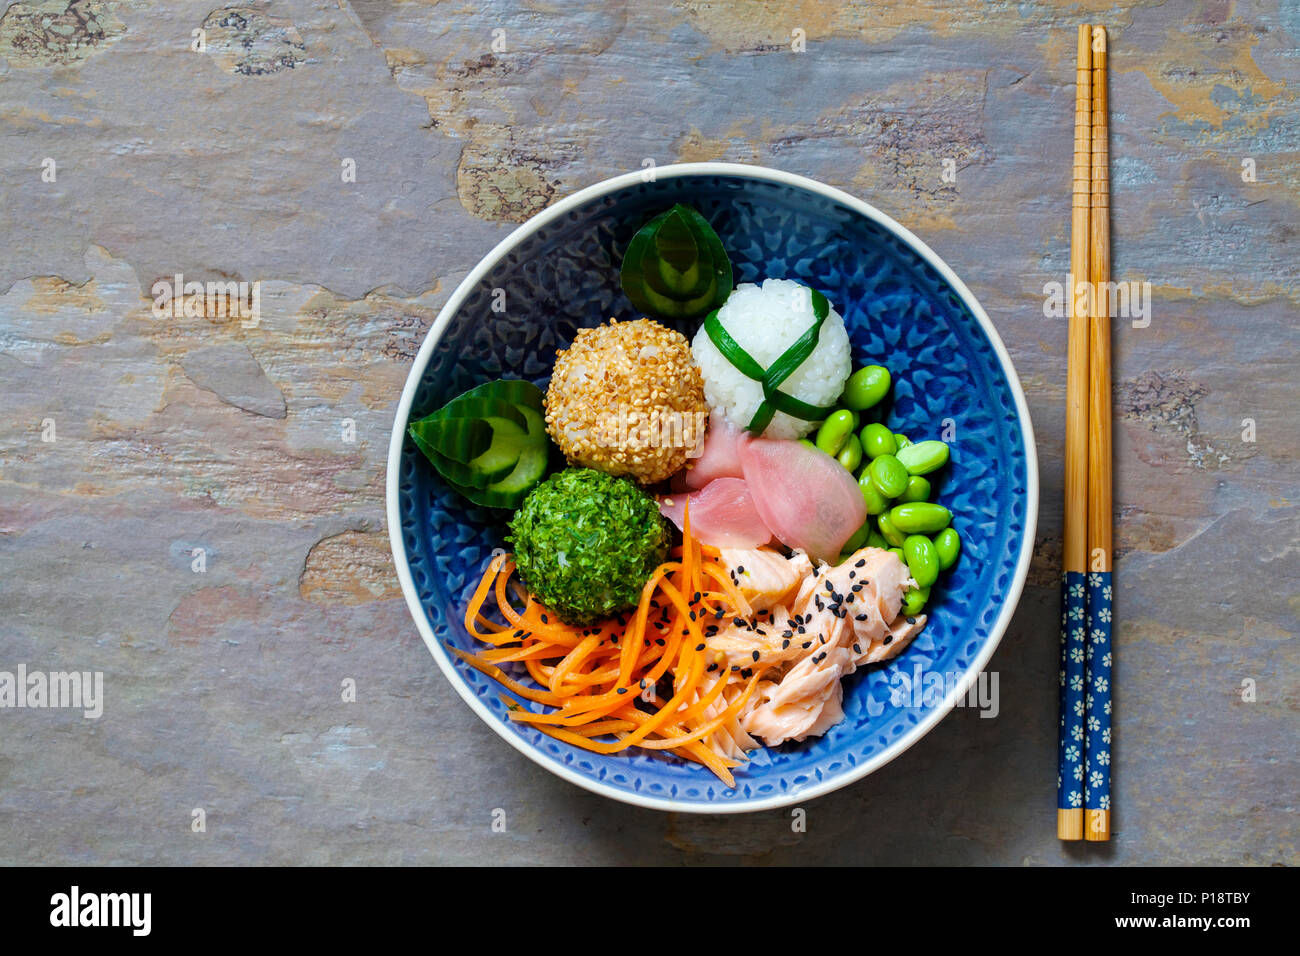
(675, 266)
(510, 491)
(516, 391)
(775, 400)
(441, 440)
(489, 443)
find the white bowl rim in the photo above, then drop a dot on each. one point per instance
(553, 212)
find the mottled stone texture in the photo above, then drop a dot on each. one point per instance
(128, 156)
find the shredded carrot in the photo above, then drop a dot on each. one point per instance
(570, 662)
(729, 588)
(701, 732)
(599, 685)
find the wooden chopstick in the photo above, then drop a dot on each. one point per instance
(1099, 619)
(1070, 757)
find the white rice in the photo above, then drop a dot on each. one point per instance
(765, 321)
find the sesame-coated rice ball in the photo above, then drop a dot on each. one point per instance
(626, 398)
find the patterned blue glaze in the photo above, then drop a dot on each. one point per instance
(1097, 702)
(900, 313)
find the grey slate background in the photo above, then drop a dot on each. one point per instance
(223, 687)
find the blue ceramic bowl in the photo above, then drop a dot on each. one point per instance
(903, 307)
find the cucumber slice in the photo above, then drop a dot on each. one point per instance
(513, 391)
(675, 266)
(445, 443)
(472, 407)
(508, 440)
(530, 464)
(489, 443)
(654, 303)
(510, 491)
(461, 439)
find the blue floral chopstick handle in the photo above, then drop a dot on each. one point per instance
(1097, 703)
(1070, 749)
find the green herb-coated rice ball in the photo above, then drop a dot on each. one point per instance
(586, 542)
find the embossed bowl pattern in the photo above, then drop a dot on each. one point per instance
(904, 309)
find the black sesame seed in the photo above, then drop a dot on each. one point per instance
(860, 563)
(888, 638)
(755, 653)
(711, 668)
(746, 673)
(659, 641)
(699, 647)
(807, 644)
(911, 620)
(784, 645)
(622, 690)
(857, 649)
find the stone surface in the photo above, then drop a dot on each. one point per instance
(357, 160)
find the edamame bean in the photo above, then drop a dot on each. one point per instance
(914, 599)
(878, 440)
(859, 537)
(866, 387)
(850, 455)
(876, 502)
(947, 545)
(922, 561)
(834, 431)
(920, 517)
(923, 457)
(918, 489)
(902, 440)
(889, 532)
(889, 475)
(804, 441)
(877, 540)
(899, 552)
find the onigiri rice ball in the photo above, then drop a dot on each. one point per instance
(765, 320)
